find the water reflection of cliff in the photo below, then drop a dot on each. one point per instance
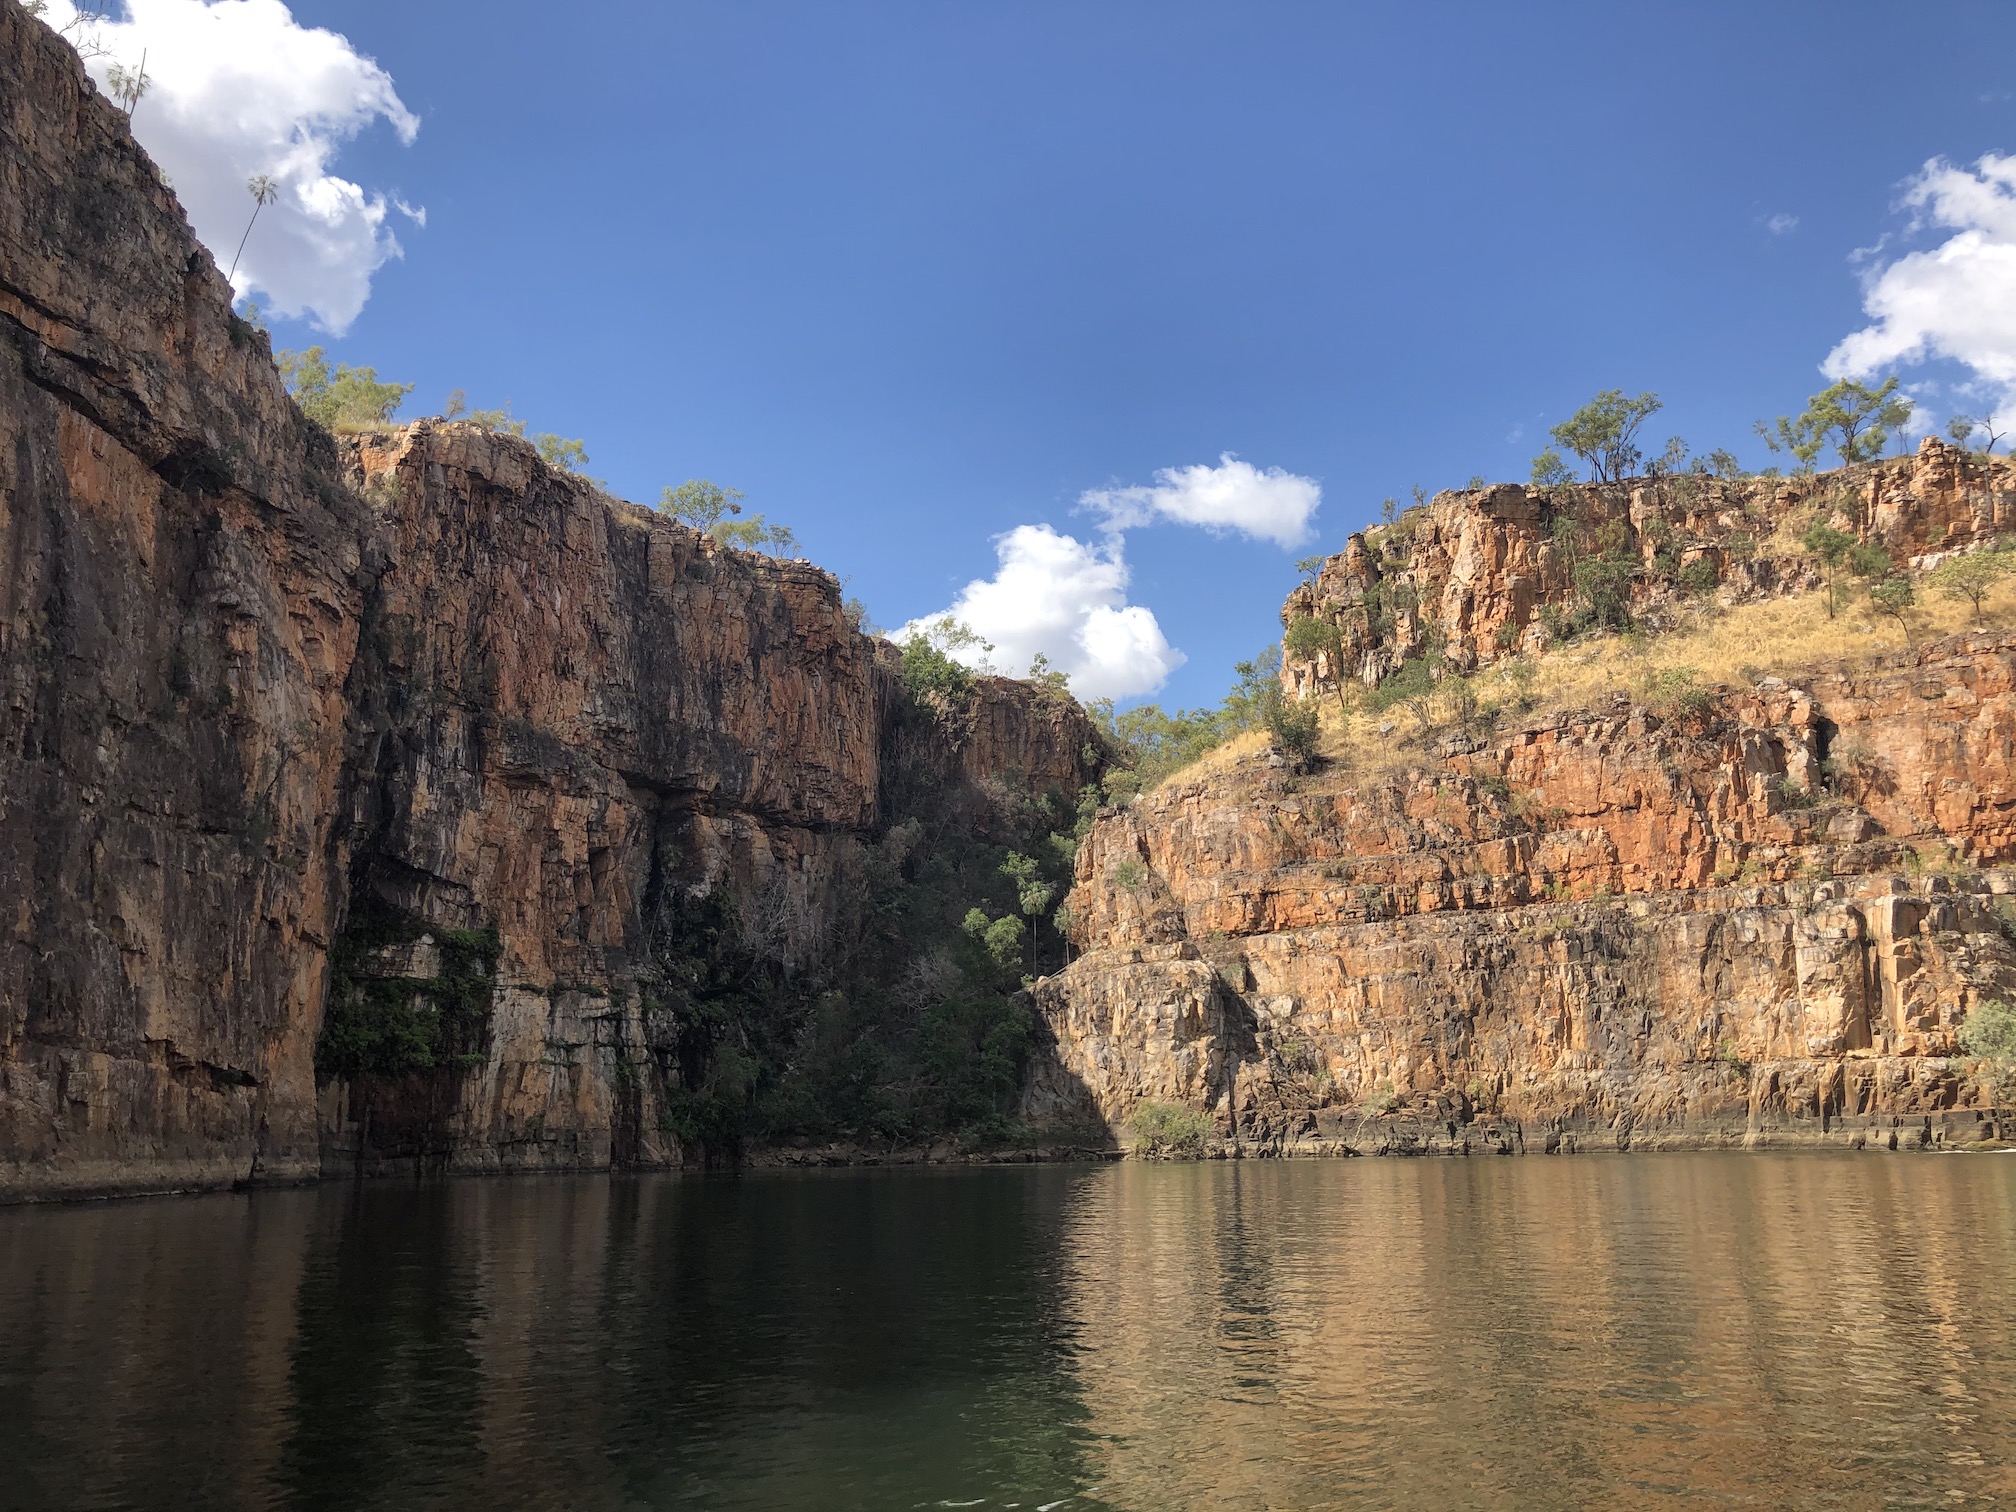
(1603, 1332)
(586, 1343)
(1597, 1332)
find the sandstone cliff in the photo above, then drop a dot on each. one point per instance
(399, 799)
(1487, 571)
(1748, 912)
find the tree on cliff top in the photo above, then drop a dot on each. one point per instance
(1549, 471)
(344, 398)
(707, 507)
(1854, 418)
(1602, 433)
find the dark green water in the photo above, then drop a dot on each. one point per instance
(1644, 1331)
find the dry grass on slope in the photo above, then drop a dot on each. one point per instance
(1784, 637)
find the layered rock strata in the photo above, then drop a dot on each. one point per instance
(1761, 919)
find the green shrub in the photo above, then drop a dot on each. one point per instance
(1699, 576)
(389, 1026)
(931, 674)
(1412, 684)
(1675, 692)
(1293, 729)
(1988, 1033)
(1165, 1129)
(344, 398)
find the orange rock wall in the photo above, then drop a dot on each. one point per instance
(1614, 926)
(249, 675)
(1480, 564)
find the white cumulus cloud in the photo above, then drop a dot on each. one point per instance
(1782, 224)
(238, 88)
(1067, 599)
(1267, 504)
(1954, 301)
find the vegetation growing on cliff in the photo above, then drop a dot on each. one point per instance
(381, 1023)
(1166, 1130)
(709, 507)
(905, 1020)
(1150, 743)
(342, 398)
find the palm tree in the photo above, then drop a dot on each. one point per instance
(262, 188)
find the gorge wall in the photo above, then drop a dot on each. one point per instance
(390, 802)
(396, 802)
(1748, 914)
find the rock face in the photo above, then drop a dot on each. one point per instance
(179, 603)
(1485, 570)
(1763, 918)
(1754, 916)
(265, 692)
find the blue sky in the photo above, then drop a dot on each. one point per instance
(914, 275)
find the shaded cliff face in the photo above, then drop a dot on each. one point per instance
(521, 770)
(178, 611)
(1488, 569)
(1765, 918)
(646, 763)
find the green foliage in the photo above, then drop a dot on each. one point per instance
(1973, 577)
(1002, 937)
(1723, 464)
(561, 454)
(1550, 471)
(1823, 540)
(1044, 675)
(1165, 1129)
(1893, 598)
(1412, 685)
(344, 398)
(1603, 582)
(390, 1026)
(1699, 576)
(1309, 637)
(757, 534)
(1602, 433)
(1150, 743)
(501, 421)
(1830, 546)
(907, 1023)
(709, 507)
(1671, 462)
(1866, 559)
(1988, 1033)
(1032, 893)
(1962, 428)
(1294, 730)
(1675, 692)
(1855, 419)
(929, 670)
(700, 503)
(1130, 874)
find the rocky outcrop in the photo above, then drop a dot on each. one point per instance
(1488, 572)
(1760, 918)
(411, 723)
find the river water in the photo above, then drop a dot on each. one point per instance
(1602, 1332)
